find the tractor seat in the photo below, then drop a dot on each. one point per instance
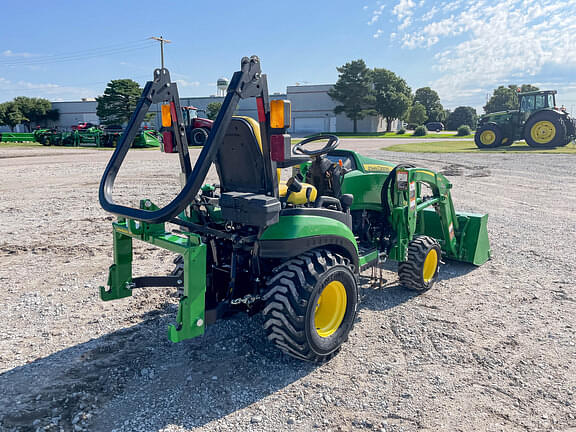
(240, 164)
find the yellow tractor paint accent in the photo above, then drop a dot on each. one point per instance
(377, 168)
(543, 132)
(430, 265)
(330, 309)
(430, 173)
(298, 197)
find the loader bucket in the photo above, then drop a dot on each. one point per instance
(472, 244)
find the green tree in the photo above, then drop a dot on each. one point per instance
(118, 102)
(438, 115)
(353, 91)
(212, 110)
(463, 115)
(506, 98)
(392, 96)
(10, 115)
(431, 101)
(32, 109)
(417, 114)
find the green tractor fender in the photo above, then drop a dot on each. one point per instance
(294, 235)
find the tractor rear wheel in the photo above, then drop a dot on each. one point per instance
(545, 129)
(488, 136)
(420, 271)
(199, 136)
(311, 304)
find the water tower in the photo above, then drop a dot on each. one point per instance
(222, 85)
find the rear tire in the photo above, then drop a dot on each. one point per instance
(420, 271)
(311, 304)
(545, 129)
(488, 136)
(199, 136)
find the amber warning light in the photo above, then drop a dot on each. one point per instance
(280, 113)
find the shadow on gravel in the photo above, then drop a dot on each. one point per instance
(381, 294)
(135, 379)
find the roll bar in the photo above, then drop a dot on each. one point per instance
(246, 83)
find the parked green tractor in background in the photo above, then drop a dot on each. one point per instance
(538, 121)
(292, 250)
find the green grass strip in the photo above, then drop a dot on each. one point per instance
(470, 147)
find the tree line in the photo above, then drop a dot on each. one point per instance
(25, 110)
(361, 91)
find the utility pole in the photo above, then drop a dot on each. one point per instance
(162, 42)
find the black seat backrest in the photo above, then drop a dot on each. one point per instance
(239, 162)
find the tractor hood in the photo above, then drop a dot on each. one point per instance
(496, 117)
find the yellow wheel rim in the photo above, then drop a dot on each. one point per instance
(330, 309)
(430, 265)
(543, 132)
(487, 137)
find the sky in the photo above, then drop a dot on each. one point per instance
(463, 49)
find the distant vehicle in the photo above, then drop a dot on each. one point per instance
(113, 128)
(536, 119)
(83, 126)
(197, 126)
(435, 126)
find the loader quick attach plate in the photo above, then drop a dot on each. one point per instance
(190, 319)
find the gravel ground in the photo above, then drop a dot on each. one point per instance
(489, 348)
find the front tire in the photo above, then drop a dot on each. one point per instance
(311, 304)
(488, 136)
(199, 136)
(420, 271)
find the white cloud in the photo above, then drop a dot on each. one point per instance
(185, 83)
(11, 89)
(376, 14)
(10, 53)
(486, 42)
(377, 34)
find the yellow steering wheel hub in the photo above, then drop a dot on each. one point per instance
(543, 132)
(330, 309)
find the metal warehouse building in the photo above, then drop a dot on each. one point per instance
(312, 111)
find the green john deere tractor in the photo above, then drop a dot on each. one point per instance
(538, 121)
(292, 250)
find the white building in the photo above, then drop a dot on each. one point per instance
(312, 111)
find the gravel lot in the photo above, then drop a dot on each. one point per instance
(488, 349)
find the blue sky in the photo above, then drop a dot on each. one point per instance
(463, 48)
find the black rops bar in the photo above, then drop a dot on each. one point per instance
(246, 83)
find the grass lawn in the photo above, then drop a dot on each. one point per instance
(33, 144)
(395, 135)
(470, 147)
(19, 144)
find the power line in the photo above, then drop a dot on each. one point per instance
(67, 85)
(86, 54)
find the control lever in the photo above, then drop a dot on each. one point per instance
(293, 185)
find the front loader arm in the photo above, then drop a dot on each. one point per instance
(407, 203)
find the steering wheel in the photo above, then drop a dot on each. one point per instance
(332, 143)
